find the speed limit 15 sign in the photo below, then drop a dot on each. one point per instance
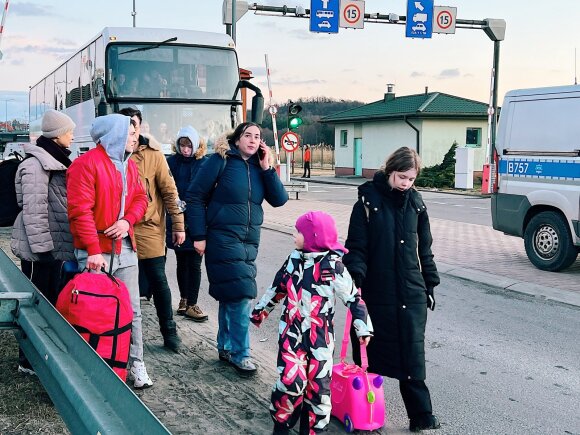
(352, 14)
(444, 18)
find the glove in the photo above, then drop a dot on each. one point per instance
(430, 298)
(358, 280)
(45, 257)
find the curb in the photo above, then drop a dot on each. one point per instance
(499, 282)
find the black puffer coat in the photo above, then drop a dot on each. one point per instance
(390, 253)
(229, 216)
(183, 170)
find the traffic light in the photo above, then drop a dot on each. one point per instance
(294, 119)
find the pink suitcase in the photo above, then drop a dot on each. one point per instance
(357, 397)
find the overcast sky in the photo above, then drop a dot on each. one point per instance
(355, 64)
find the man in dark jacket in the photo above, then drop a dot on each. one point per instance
(224, 213)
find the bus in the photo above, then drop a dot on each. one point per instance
(175, 77)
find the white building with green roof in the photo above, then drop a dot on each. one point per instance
(429, 123)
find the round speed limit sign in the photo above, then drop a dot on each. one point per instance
(352, 13)
(444, 19)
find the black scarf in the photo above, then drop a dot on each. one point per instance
(55, 150)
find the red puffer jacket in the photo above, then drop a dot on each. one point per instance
(94, 190)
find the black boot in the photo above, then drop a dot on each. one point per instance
(425, 422)
(170, 338)
(280, 429)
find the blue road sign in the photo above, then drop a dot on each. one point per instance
(324, 15)
(419, 19)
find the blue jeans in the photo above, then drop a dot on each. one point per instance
(233, 329)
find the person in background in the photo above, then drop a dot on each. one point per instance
(390, 259)
(224, 216)
(189, 155)
(150, 231)
(106, 199)
(41, 235)
(306, 161)
(309, 281)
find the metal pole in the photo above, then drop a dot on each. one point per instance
(2, 23)
(234, 20)
(494, 98)
(134, 14)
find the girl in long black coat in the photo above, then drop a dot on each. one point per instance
(390, 259)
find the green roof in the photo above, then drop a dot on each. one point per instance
(429, 105)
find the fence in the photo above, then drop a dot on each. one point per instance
(321, 157)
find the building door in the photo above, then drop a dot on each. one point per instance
(358, 157)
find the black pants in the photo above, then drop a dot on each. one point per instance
(416, 398)
(306, 169)
(46, 276)
(188, 275)
(154, 273)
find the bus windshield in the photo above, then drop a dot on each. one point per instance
(147, 71)
(163, 121)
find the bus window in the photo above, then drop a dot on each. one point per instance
(60, 87)
(99, 68)
(182, 72)
(86, 72)
(49, 93)
(73, 80)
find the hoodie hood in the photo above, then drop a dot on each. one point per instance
(190, 133)
(320, 233)
(112, 131)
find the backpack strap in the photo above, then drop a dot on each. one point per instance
(221, 171)
(367, 211)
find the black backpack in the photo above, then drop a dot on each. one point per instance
(10, 209)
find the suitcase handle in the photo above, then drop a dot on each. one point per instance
(345, 339)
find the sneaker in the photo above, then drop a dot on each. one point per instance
(424, 423)
(182, 307)
(224, 355)
(194, 313)
(245, 368)
(26, 370)
(138, 374)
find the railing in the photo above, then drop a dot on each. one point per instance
(89, 396)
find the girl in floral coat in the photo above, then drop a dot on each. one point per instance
(309, 280)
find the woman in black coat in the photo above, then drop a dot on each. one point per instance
(224, 216)
(390, 259)
(189, 155)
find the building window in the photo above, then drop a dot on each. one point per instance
(343, 138)
(473, 137)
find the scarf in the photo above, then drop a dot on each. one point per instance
(59, 153)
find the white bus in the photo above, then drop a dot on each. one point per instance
(175, 77)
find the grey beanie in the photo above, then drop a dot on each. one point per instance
(55, 124)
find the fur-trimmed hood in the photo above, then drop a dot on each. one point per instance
(222, 146)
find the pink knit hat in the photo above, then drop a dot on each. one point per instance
(319, 231)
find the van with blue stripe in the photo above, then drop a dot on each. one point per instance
(536, 191)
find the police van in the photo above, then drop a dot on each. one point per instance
(536, 191)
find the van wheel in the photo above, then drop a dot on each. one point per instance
(548, 242)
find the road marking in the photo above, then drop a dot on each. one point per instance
(480, 208)
(317, 191)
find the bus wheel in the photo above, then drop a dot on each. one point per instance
(548, 242)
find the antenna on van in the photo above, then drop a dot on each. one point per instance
(575, 76)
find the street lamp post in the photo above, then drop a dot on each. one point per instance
(6, 112)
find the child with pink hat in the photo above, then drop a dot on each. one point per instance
(308, 282)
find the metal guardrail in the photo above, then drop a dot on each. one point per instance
(89, 396)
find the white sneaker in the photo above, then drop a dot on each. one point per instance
(26, 371)
(138, 374)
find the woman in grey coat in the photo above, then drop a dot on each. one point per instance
(41, 237)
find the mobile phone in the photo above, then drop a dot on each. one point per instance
(261, 153)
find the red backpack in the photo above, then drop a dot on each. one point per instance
(98, 306)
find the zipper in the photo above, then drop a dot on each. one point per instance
(249, 204)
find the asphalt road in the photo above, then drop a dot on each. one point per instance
(454, 207)
(497, 362)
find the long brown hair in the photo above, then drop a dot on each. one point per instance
(402, 160)
(240, 130)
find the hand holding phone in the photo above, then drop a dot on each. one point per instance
(261, 151)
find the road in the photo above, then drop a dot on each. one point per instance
(454, 207)
(497, 362)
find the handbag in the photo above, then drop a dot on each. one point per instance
(357, 396)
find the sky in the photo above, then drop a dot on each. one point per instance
(539, 47)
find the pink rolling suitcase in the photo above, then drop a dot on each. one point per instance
(357, 397)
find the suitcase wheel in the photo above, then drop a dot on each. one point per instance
(348, 426)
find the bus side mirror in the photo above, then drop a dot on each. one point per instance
(258, 109)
